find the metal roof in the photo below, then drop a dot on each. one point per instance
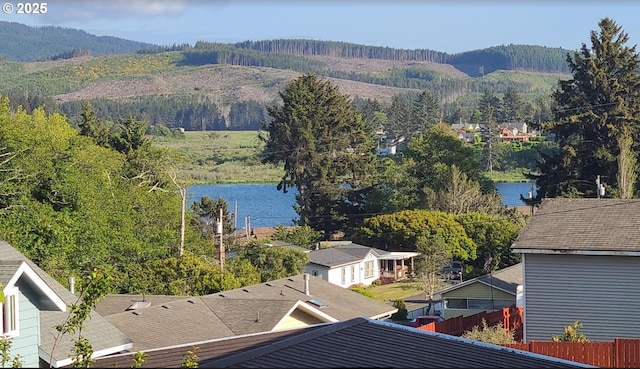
(367, 343)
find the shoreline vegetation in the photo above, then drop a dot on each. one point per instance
(232, 157)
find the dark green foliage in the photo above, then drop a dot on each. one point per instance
(403, 230)
(189, 112)
(303, 236)
(206, 214)
(493, 235)
(526, 57)
(71, 205)
(490, 107)
(130, 136)
(274, 262)
(25, 43)
(401, 314)
(325, 148)
(597, 110)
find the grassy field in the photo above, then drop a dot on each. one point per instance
(514, 175)
(232, 157)
(221, 157)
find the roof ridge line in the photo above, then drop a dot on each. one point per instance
(289, 341)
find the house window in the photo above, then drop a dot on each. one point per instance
(314, 272)
(9, 325)
(368, 269)
(456, 303)
(344, 275)
(353, 273)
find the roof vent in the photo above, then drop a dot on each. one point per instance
(138, 305)
(269, 284)
(137, 312)
(246, 290)
(222, 295)
(191, 301)
(317, 303)
(166, 306)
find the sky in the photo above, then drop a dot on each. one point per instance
(450, 26)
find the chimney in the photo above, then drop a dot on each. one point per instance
(72, 285)
(305, 277)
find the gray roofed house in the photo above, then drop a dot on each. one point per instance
(173, 356)
(271, 306)
(349, 264)
(581, 261)
(354, 343)
(44, 300)
(488, 292)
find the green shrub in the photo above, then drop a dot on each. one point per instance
(401, 314)
(571, 334)
(363, 292)
(495, 334)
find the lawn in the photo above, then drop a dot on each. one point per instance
(394, 291)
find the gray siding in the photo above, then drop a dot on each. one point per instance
(602, 292)
(26, 344)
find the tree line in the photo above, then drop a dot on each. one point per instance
(23, 43)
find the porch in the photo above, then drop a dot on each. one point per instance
(396, 266)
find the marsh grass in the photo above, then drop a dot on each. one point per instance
(221, 157)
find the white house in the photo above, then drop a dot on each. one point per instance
(349, 264)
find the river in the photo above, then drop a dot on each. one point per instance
(267, 207)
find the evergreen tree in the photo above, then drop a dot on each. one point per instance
(512, 106)
(399, 116)
(207, 212)
(598, 113)
(490, 107)
(326, 149)
(426, 112)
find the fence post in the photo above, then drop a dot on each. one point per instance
(505, 319)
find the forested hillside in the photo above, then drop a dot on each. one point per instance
(476, 62)
(214, 86)
(19, 42)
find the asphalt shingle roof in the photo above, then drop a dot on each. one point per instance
(102, 334)
(251, 309)
(564, 224)
(343, 254)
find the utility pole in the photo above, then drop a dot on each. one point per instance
(221, 252)
(599, 187)
(531, 198)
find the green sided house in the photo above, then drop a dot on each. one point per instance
(485, 293)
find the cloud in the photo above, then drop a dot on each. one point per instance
(63, 11)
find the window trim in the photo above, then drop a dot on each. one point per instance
(343, 275)
(11, 306)
(353, 273)
(369, 269)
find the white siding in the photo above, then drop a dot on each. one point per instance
(317, 270)
(602, 292)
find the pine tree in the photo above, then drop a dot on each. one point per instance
(490, 106)
(597, 110)
(426, 112)
(326, 149)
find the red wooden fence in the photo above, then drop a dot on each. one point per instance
(511, 319)
(621, 353)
